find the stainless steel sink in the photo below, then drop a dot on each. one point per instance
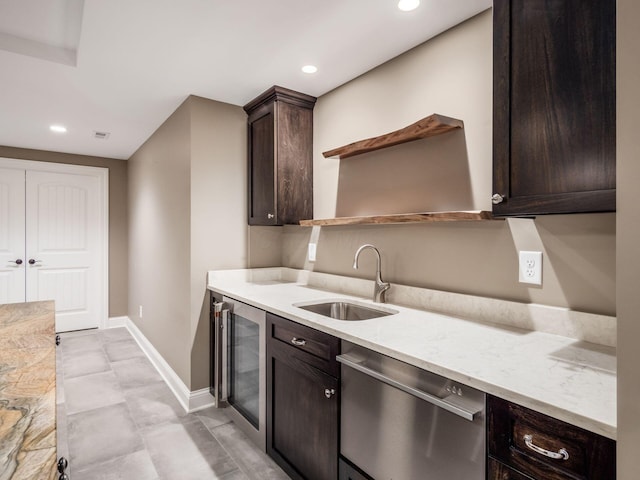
(342, 310)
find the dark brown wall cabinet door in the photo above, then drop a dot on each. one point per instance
(262, 167)
(554, 106)
(302, 406)
(280, 166)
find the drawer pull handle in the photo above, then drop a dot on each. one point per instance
(562, 454)
(300, 342)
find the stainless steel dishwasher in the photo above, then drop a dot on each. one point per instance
(399, 422)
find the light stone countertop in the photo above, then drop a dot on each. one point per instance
(571, 380)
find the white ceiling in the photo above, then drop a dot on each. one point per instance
(123, 66)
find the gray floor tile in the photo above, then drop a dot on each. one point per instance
(136, 466)
(115, 335)
(74, 343)
(92, 391)
(122, 350)
(102, 434)
(135, 372)
(213, 417)
(256, 465)
(185, 449)
(235, 475)
(148, 436)
(84, 363)
(153, 404)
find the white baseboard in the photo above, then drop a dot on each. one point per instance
(114, 322)
(200, 399)
(190, 401)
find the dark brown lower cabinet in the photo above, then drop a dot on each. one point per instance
(303, 400)
(499, 471)
(526, 445)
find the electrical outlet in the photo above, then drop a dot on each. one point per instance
(312, 252)
(139, 311)
(530, 268)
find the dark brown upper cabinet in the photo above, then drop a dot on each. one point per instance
(554, 106)
(280, 157)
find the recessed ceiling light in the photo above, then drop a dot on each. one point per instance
(408, 5)
(309, 69)
(58, 128)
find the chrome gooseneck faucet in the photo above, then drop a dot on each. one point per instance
(380, 287)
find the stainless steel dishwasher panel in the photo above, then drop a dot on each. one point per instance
(401, 422)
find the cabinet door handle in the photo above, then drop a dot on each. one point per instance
(300, 342)
(33, 261)
(270, 215)
(562, 454)
(329, 392)
(496, 198)
(62, 465)
(17, 261)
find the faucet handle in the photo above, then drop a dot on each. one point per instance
(380, 290)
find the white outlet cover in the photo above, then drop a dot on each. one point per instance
(530, 267)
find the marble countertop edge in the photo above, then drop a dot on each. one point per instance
(27, 391)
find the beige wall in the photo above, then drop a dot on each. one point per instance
(187, 191)
(218, 211)
(159, 240)
(628, 278)
(450, 75)
(118, 236)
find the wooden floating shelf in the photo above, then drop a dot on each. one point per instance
(427, 127)
(460, 216)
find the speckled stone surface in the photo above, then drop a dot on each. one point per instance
(27, 391)
(568, 376)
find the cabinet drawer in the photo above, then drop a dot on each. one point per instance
(518, 437)
(321, 348)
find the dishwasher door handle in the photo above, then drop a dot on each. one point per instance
(357, 364)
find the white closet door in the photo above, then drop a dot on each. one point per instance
(63, 246)
(12, 231)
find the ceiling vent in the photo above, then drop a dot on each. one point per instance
(101, 135)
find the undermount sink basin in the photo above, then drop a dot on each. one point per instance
(343, 310)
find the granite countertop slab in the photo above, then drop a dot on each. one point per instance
(567, 378)
(27, 391)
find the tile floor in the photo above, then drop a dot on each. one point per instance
(118, 420)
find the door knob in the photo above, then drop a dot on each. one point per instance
(17, 262)
(33, 262)
(496, 198)
(329, 392)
